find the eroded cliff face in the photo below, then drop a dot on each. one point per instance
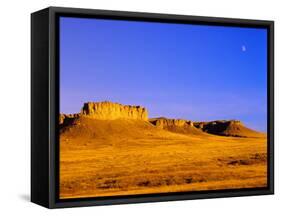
(164, 122)
(67, 118)
(217, 124)
(227, 128)
(111, 111)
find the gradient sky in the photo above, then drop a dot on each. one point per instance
(194, 72)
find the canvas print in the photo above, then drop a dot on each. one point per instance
(151, 108)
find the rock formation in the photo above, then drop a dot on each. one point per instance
(176, 126)
(66, 118)
(233, 128)
(216, 126)
(111, 111)
(61, 119)
(164, 122)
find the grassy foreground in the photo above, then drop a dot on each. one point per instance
(125, 157)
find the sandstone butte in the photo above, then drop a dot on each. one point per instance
(111, 111)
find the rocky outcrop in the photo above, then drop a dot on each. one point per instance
(176, 126)
(215, 126)
(65, 118)
(111, 111)
(233, 128)
(61, 118)
(164, 122)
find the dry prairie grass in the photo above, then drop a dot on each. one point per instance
(124, 157)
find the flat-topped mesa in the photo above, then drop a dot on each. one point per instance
(164, 122)
(111, 111)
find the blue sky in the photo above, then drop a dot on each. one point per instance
(194, 72)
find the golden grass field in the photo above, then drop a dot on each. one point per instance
(126, 157)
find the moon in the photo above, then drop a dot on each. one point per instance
(243, 48)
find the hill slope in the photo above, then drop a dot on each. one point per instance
(82, 129)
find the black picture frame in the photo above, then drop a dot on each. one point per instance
(45, 106)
